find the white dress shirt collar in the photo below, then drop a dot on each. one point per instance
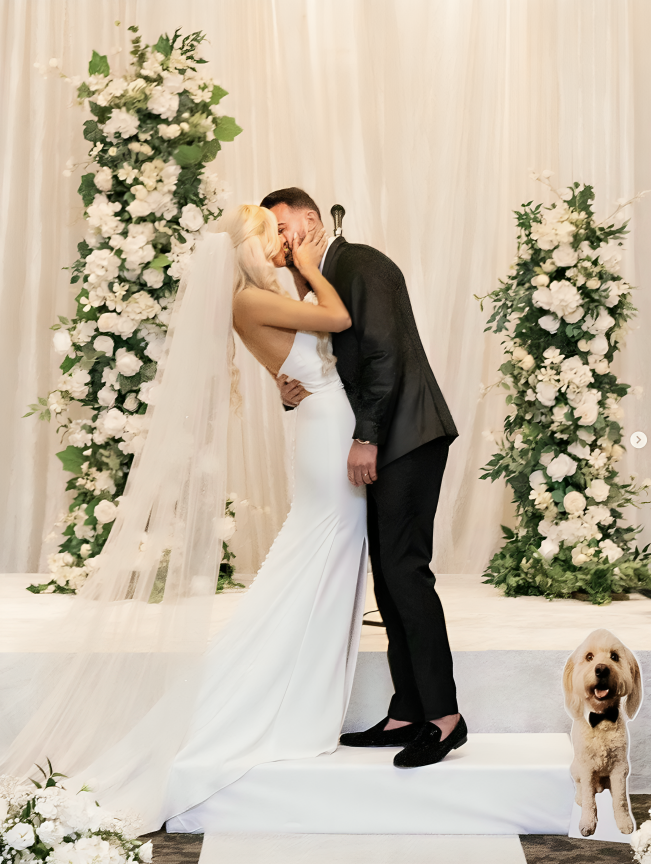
(330, 242)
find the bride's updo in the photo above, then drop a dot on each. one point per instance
(254, 232)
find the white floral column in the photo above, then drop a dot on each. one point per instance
(148, 200)
(563, 311)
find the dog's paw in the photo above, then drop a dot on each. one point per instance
(624, 824)
(587, 828)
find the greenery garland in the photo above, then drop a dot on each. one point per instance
(563, 310)
(153, 131)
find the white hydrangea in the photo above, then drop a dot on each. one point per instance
(121, 123)
(135, 432)
(610, 550)
(102, 265)
(164, 103)
(560, 298)
(84, 332)
(101, 216)
(114, 88)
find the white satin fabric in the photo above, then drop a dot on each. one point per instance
(277, 680)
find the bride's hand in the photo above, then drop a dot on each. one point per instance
(309, 253)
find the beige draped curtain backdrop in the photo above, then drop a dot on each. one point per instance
(421, 117)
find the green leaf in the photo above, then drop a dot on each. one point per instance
(68, 363)
(63, 320)
(218, 94)
(163, 45)
(159, 262)
(29, 414)
(188, 154)
(227, 129)
(72, 459)
(87, 189)
(92, 132)
(210, 150)
(558, 495)
(42, 400)
(84, 91)
(99, 64)
(148, 371)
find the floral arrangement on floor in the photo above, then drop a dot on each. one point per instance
(148, 199)
(50, 823)
(563, 311)
(641, 842)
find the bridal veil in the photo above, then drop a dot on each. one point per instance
(120, 670)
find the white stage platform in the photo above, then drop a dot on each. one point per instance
(495, 784)
(508, 655)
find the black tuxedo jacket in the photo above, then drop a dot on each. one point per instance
(381, 361)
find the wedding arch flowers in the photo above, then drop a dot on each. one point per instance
(48, 822)
(563, 311)
(153, 130)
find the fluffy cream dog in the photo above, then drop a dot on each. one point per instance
(600, 679)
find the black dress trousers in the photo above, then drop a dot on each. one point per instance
(401, 507)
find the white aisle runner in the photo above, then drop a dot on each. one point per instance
(359, 849)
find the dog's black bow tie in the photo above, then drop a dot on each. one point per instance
(609, 714)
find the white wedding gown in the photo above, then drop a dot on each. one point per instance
(277, 679)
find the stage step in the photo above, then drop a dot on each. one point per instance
(502, 784)
(359, 849)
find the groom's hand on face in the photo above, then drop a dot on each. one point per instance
(292, 392)
(362, 464)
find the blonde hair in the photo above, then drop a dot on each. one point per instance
(254, 233)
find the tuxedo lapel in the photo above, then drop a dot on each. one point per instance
(331, 256)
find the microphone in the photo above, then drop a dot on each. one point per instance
(337, 212)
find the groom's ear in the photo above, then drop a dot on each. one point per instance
(312, 218)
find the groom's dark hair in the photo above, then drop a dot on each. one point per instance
(293, 197)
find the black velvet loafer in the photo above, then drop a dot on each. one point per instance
(427, 747)
(377, 737)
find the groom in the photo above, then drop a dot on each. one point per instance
(402, 434)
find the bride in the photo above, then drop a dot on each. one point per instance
(134, 703)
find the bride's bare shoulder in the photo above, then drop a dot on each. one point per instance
(252, 302)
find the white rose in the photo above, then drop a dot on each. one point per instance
(20, 837)
(225, 527)
(537, 479)
(610, 550)
(104, 179)
(598, 345)
(519, 353)
(565, 256)
(191, 218)
(574, 503)
(599, 490)
(155, 349)
(113, 421)
(132, 402)
(550, 323)
(573, 317)
(560, 467)
(546, 393)
(581, 451)
(549, 548)
(147, 392)
(62, 341)
(164, 103)
(126, 362)
(49, 832)
(558, 413)
(146, 852)
(106, 397)
(153, 278)
(171, 131)
(108, 322)
(122, 123)
(104, 344)
(106, 511)
(527, 362)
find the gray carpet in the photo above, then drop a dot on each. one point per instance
(538, 848)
